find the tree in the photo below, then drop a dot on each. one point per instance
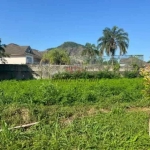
(90, 51)
(114, 60)
(56, 56)
(148, 61)
(2, 52)
(111, 40)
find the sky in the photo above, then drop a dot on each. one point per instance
(43, 24)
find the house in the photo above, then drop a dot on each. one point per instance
(37, 56)
(22, 54)
(130, 60)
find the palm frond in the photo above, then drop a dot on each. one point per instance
(111, 39)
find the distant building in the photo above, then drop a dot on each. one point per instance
(132, 59)
(22, 54)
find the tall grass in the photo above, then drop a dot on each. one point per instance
(73, 115)
(70, 92)
(113, 130)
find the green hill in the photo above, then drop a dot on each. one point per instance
(73, 49)
(70, 44)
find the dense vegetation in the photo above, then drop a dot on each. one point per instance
(90, 53)
(74, 114)
(56, 57)
(78, 128)
(70, 74)
(70, 91)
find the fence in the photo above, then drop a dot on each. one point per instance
(8, 71)
(125, 60)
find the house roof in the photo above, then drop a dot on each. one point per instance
(17, 50)
(132, 60)
(14, 49)
(37, 53)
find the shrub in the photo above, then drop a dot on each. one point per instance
(96, 75)
(145, 72)
(131, 74)
(87, 75)
(69, 92)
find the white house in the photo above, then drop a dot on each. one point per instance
(21, 54)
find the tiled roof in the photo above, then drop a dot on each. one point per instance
(14, 49)
(37, 53)
(17, 50)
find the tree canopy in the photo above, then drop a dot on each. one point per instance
(90, 52)
(56, 56)
(112, 39)
(2, 52)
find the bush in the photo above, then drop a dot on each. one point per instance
(96, 75)
(145, 72)
(69, 92)
(131, 74)
(87, 75)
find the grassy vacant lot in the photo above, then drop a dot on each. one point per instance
(74, 115)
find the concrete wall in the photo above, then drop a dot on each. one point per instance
(11, 71)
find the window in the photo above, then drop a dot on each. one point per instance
(29, 60)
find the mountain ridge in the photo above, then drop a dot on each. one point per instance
(73, 48)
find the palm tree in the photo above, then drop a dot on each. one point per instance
(90, 51)
(2, 52)
(111, 40)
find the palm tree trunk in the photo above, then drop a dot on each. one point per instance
(112, 58)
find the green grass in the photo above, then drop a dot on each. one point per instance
(105, 92)
(79, 128)
(74, 115)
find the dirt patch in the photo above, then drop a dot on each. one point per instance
(67, 121)
(139, 109)
(104, 110)
(93, 111)
(25, 114)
